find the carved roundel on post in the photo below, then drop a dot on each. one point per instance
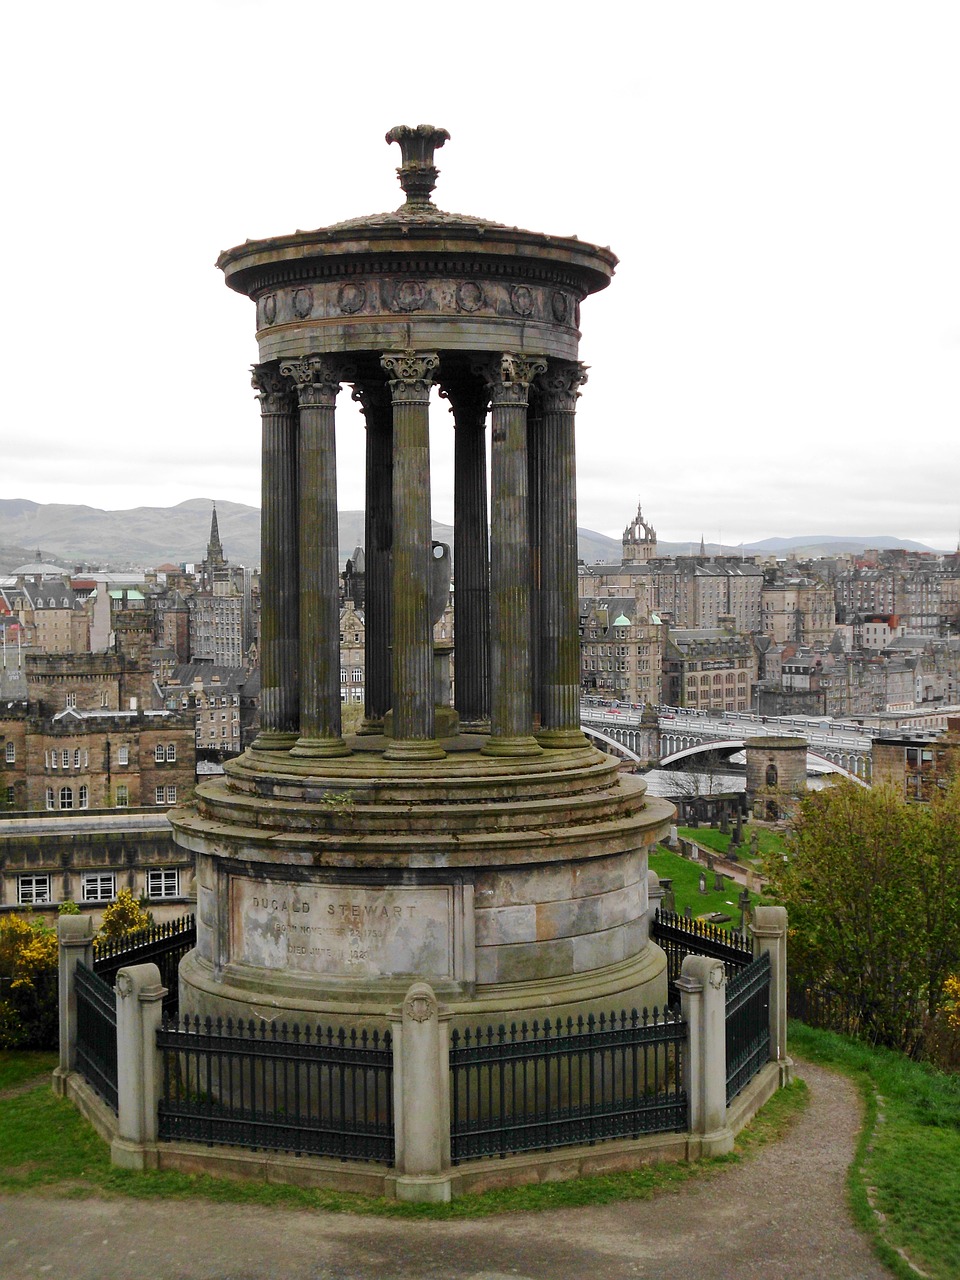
(521, 299)
(560, 306)
(270, 308)
(302, 303)
(410, 295)
(469, 296)
(420, 1004)
(351, 297)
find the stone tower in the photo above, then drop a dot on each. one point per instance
(639, 540)
(493, 853)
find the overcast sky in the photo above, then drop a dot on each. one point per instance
(779, 351)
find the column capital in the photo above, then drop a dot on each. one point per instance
(469, 400)
(410, 374)
(272, 388)
(508, 377)
(317, 378)
(372, 397)
(560, 385)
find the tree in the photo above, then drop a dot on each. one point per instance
(872, 887)
(124, 915)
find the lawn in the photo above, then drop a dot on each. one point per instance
(907, 1166)
(768, 841)
(686, 886)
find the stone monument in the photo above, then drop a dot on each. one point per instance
(487, 849)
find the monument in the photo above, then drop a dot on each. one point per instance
(486, 848)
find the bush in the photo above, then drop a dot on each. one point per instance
(28, 984)
(124, 915)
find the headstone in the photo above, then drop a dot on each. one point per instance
(703, 882)
(719, 883)
(688, 912)
(743, 902)
(669, 900)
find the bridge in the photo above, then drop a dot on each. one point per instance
(844, 746)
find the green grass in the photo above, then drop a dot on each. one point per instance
(47, 1148)
(686, 886)
(768, 841)
(15, 1067)
(907, 1165)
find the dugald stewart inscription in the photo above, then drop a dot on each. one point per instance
(343, 931)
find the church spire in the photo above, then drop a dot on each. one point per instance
(214, 547)
(703, 549)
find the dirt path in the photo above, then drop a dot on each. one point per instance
(783, 1210)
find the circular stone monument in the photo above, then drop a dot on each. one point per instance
(487, 848)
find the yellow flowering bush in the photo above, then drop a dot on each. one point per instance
(28, 983)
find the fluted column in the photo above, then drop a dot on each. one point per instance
(511, 724)
(410, 375)
(534, 414)
(318, 381)
(375, 402)
(468, 400)
(559, 608)
(279, 561)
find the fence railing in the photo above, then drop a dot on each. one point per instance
(324, 1092)
(680, 937)
(96, 1033)
(164, 945)
(747, 1024)
(567, 1082)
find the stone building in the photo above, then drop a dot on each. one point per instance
(918, 766)
(620, 652)
(224, 704)
(776, 775)
(797, 609)
(708, 669)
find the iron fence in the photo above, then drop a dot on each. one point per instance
(96, 1032)
(164, 945)
(324, 1092)
(680, 937)
(748, 1023)
(823, 1008)
(567, 1082)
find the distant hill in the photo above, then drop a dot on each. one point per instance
(71, 534)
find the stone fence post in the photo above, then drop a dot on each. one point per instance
(769, 929)
(703, 998)
(421, 1096)
(139, 1014)
(75, 935)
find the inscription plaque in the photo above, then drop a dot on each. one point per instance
(344, 931)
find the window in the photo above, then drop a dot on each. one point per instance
(123, 796)
(54, 759)
(49, 797)
(163, 883)
(65, 759)
(76, 758)
(66, 797)
(10, 753)
(11, 797)
(123, 755)
(343, 672)
(103, 698)
(86, 759)
(171, 795)
(84, 798)
(159, 754)
(71, 699)
(98, 886)
(32, 890)
(171, 751)
(161, 795)
(357, 673)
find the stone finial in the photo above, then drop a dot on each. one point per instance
(417, 173)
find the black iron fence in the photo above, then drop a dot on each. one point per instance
(164, 945)
(567, 1082)
(680, 937)
(325, 1092)
(748, 1023)
(96, 1032)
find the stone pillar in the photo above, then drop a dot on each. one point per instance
(279, 562)
(559, 606)
(421, 1089)
(654, 898)
(769, 929)
(469, 400)
(411, 376)
(139, 993)
(534, 426)
(511, 722)
(76, 944)
(374, 400)
(702, 985)
(318, 381)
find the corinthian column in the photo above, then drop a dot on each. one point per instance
(318, 381)
(511, 721)
(410, 376)
(468, 400)
(279, 557)
(375, 402)
(559, 607)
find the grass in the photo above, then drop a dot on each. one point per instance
(907, 1164)
(768, 841)
(47, 1148)
(22, 1065)
(686, 886)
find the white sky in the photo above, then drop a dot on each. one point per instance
(779, 352)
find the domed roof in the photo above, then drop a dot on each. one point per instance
(41, 570)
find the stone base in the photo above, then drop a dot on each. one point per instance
(423, 1188)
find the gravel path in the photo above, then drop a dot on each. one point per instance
(782, 1210)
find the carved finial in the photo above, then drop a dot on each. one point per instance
(417, 173)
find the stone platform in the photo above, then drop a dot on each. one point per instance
(517, 888)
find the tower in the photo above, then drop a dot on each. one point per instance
(639, 540)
